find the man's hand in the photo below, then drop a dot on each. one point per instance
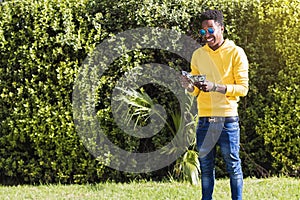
(186, 83)
(208, 86)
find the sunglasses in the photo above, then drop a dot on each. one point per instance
(209, 30)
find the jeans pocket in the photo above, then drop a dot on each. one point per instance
(201, 124)
(231, 126)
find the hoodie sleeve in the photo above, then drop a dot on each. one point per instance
(194, 71)
(240, 73)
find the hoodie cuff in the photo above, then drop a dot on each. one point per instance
(229, 90)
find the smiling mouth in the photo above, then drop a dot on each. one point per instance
(210, 39)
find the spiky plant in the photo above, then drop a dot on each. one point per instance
(141, 108)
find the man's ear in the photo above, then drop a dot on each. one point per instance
(222, 29)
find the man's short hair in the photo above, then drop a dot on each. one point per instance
(215, 15)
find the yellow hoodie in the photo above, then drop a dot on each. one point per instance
(228, 65)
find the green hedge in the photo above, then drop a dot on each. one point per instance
(43, 44)
(279, 125)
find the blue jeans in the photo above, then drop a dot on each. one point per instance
(227, 136)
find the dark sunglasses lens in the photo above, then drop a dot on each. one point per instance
(202, 32)
(210, 30)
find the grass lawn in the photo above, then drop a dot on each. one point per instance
(254, 189)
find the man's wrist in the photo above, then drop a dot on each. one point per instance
(221, 88)
(214, 88)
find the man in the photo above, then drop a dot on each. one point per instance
(226, 68)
